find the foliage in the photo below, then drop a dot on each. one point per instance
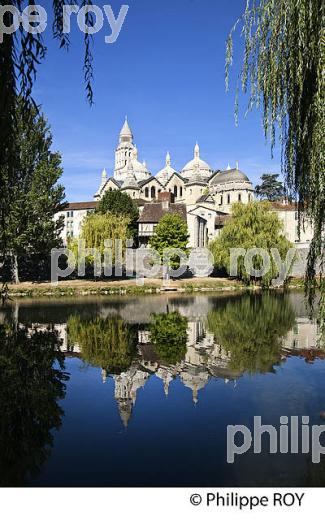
(107, 343)
(29, 227)
(251, 329)
(270, 188)
(251, 226)
(31, 382)
(97, 229)
(20, 55)
(169, 336)
(118, 203)
(171, 232)
(283, 69)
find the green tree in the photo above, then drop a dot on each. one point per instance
(106, 343)
(283, 71)
(29, 224)
(96, 230)
(21, 53)
(32, 381)
(251, 226)
(169, 336)
(170, 233)
(251, 329)
(270, 188)
(118, 203)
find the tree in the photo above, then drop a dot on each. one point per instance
(118, 203)
(99, 228)
(251, 226)
(32, 383)
(169, 336)
(107, 343)
(283, 70)
(30, 227)
(170, 233)
(271, 188)
(21, 53)
(251, 329)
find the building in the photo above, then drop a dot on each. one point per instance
(154, 211)
(201, 194)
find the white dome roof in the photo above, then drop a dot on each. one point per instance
(130, 180)
(196, 166)
(140, 170)
(167, 172)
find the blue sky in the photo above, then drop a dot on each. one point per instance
(166, 72)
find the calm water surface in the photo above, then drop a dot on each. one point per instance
(139, 391)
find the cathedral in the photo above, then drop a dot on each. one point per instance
(206, 194)
(201, 195)
(197, 178)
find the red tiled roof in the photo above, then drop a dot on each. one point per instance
(279, 206)
(81, 205)
(153, 212)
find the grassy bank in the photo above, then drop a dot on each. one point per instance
(129, 287)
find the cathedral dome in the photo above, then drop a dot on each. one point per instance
(130, 180)
(196, 165)
(230, 175)
(167, 172)
(140, 170)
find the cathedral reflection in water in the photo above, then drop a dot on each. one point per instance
(212, 346)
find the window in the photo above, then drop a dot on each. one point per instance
(181, 192)
(146, 193)
(228, 199)
(239, 197)
(175, 191)
(249, 197)
(153, 192)
(221, 200)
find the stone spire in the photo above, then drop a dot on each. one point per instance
(228, 167)
(168, 159)
(126, 133)
(196, 151)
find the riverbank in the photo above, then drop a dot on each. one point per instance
(78, 288)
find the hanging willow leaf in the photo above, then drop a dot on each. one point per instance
(283, 73)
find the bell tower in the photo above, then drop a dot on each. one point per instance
(124, 151)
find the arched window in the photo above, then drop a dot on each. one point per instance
(175, 192)
(153, 192)
(181, 191)
(146, 193)
(221, 199)
(249, 197)
(239, 197)
(228, 199)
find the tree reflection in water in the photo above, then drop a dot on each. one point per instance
(31, 381)
(169, 336)
(107, 343)
(251, 329)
